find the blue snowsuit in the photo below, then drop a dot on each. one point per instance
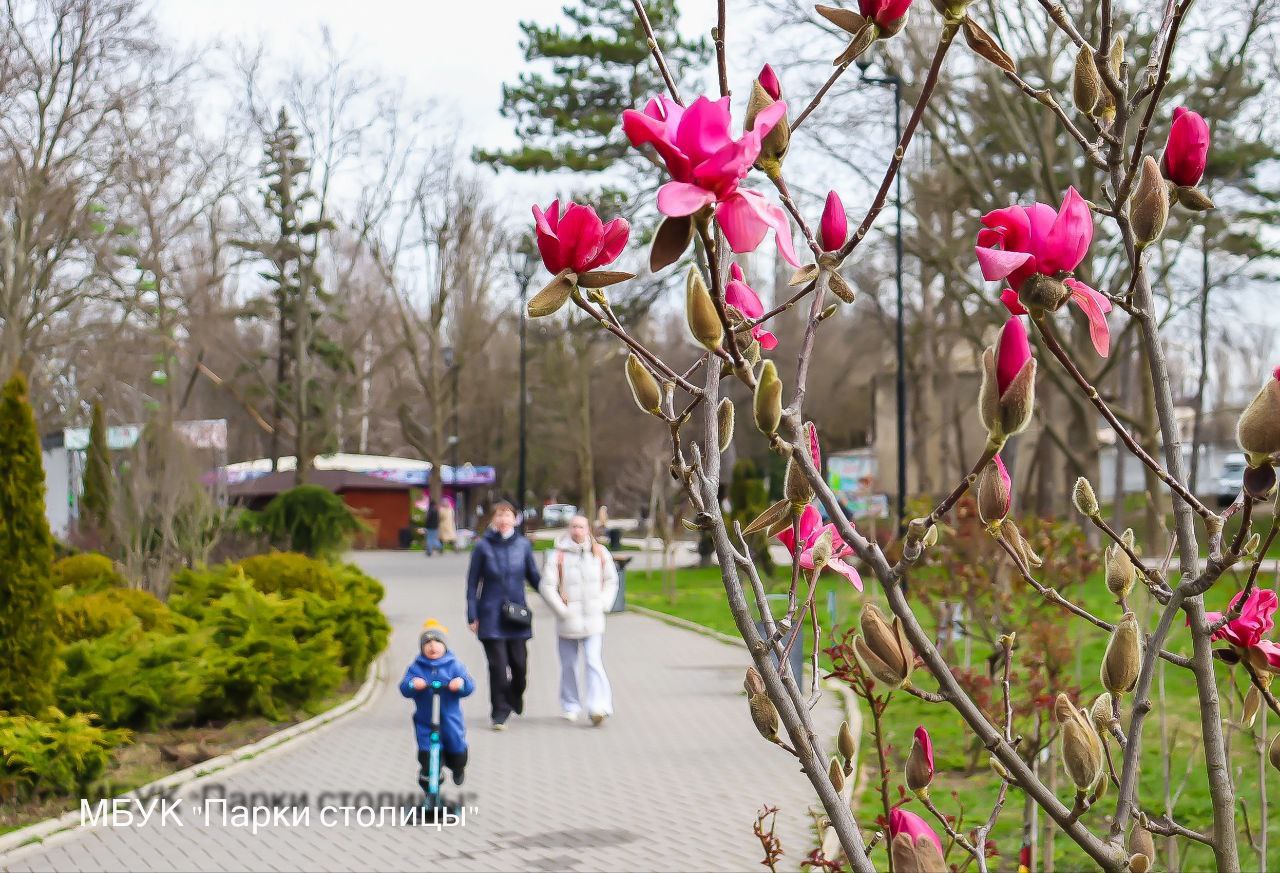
(453, 733)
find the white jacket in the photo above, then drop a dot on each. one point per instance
(579, 583)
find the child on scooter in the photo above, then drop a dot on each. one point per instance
(435, 663)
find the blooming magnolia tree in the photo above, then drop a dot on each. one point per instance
(1031, 250)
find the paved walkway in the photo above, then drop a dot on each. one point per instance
(671, 782)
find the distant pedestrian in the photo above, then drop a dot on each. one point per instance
(432, 524)
(448, 529)
(579, 583)
(497, 610)
(602, 521)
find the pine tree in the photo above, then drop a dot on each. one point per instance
(28, 647)
(95, 500)
(303, 394)
(600, 65)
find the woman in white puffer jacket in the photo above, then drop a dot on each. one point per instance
(580, 583)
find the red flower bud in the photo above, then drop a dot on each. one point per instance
(1012, 353)
(1187, 150)
(834, 229)
(769, 82)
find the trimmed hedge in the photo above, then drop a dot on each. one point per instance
(287, 573)
(88, 616)
(87, 572)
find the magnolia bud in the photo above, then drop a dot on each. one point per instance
(1123, 658)
(882, 648)
(1101, 713)
(767, 404)
(930, 537)
(1120, 572)
(1252, 543)
(753, 683)
(1039, 291)
(795, 487)
(1149, 208)
(993, 492)
(1082, 751)
(919, 768)
(1086, 84)
(704, 321)
(1085, 500)
(644, 388)
(765, 91)
(836, 775)
(1252, 702)
(554, 295)
(1273, 753)
(764, 716)
(845, 742)
(1194, 199)
(1258, 430)
(821, 550)
(1115, 61)
(1142, 850)
(724, 423)
(1007, 412)
(840, 287)
(999, 769)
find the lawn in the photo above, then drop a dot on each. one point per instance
(964, 785)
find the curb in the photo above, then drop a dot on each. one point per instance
(40, 831)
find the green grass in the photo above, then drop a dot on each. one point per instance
(964, 785)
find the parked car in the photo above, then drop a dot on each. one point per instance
(1231, 478)
(558, 514)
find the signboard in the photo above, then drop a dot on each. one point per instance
(210, 433)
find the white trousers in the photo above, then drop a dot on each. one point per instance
(599, 695)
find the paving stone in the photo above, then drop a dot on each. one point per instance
(671, 782)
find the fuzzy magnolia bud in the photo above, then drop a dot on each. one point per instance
(1252, 702)
(1085, 500)
(764, 716)
(795, 487)
(1258, 430)
(1115, 60)
(1119, 568)
(1086, 84)
(836, 774)
(919, 768)
(845, 742)
(765, 91)
(916, 854)
(767, 405)
(1149, 208)
(821, 551)
(1008, 393)
(644, 388)
(724, 423)
(882, 648)
(1082, 752)
(700, 309)
(753, 683)
(1142, 850)
(999, 769)
(1123, 658)
(994, 492)
(1101, 712)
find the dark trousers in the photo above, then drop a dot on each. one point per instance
(455, 761)
(507, 662)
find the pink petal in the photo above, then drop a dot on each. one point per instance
(926, 745)
(998, 263)
(1271, 651)
(742, 297)
(1009, 298)
(767, 341)
(616, 234)
(657, 126)
(902, 821)
(548, 244)
(735, 272)
(704, 129)
(581, 234)
(1068, 240)
(1012, 353)
(743, 226)
(810, 523)
(847, 571)
(769, 82)
(815, 450)
(767, 119)
(1187, 150)
(1095, 307)
(682, 198)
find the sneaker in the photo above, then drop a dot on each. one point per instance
(499, 726)
(569, 716)
(457, 775)
(517, 706)
(597, 719)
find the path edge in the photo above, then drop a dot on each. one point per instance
(38, 832)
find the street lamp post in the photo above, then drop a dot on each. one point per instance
(525, 262)
(894, 81)
(451, 363)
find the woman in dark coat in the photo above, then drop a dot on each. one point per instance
(501, 563)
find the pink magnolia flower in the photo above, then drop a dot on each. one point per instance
(1187, 150)
(707, 166)
(810, 528)
(577, 240)
(1013, 350)
(884, 13)
(902, 821)
(834, 228)
(769, 82)
(1019, 242)
(1255, 621)
(741, 296)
